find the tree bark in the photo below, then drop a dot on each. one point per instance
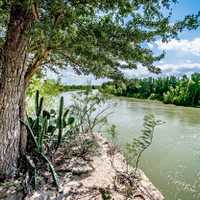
(12, 86)
(10, 124)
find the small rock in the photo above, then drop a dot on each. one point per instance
(81, 170)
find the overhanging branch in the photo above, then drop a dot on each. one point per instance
(36, 64)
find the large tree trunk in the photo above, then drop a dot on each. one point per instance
(9, 114)
(12, 87)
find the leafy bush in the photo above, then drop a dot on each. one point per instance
(90, 110)
(47, 87)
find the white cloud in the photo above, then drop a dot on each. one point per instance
(140, 72)
(68, 76)
(187, 46)
(167, 70)
(167, 67)
(179, 69)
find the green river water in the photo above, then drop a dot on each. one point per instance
(172, 162)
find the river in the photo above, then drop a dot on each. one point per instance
(172, 162)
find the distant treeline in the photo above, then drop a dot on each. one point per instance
(66, 88)
(51, 87)
(179, 91)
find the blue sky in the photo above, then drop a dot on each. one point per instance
(182, 56)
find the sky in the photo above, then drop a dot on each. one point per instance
(182, 56)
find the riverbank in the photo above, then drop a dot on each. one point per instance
(103, 176)
(149, 101)
(169, 89)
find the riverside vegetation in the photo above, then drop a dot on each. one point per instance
(183, 91)
(51, 87)
(53, 133)
(89, 37)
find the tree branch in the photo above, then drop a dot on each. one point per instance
(74, 62)
(36, 64)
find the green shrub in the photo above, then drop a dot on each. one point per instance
(90, 110)
(45, 130)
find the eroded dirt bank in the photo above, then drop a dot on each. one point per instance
(100, 177)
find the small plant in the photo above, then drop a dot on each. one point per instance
(113, 146)
(63, 121)
(47, 125)
(105, 194)
(135, 149)
(90, 110)
(45, 135)
(112, 132)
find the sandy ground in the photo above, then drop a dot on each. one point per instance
(103, 178)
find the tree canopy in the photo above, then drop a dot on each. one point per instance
(91, 36)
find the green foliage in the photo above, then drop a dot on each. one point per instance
(180, 91)
(105, 194)
(99, 37)
(135, 149)
(67, 88)
(47, 87)
(51, 88)
(88, 146)
(53, 172)
(186, 92)
(112, 132)
(63, 120)
(43, 128)
(60, 121)
(49, 130)
(89, 111)
(38, 104)
(47, 124)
